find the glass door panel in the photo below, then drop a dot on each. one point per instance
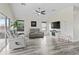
(2, 32)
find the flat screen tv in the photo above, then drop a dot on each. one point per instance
(55, 25)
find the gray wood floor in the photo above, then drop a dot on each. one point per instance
(46, 46)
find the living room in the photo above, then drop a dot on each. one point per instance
(46, 26)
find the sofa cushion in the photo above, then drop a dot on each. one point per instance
(36, 33)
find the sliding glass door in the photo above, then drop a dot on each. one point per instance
(4, 25)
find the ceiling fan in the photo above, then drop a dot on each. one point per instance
(39, 11)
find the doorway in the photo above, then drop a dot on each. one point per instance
(44, 27)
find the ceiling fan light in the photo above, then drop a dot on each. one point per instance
(38, 13)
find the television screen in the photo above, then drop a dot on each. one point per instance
(55, 25)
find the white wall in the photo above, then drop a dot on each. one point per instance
(39, 20)
(65, 16)
(6, 10)
(67, 21)
(76, 23)
(27, 13)
(63, 13)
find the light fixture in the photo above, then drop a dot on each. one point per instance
(39, 11)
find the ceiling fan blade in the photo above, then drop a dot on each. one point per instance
(40, 12)
(37, 11)
(43, 11)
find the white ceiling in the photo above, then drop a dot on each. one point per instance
(22, 11)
